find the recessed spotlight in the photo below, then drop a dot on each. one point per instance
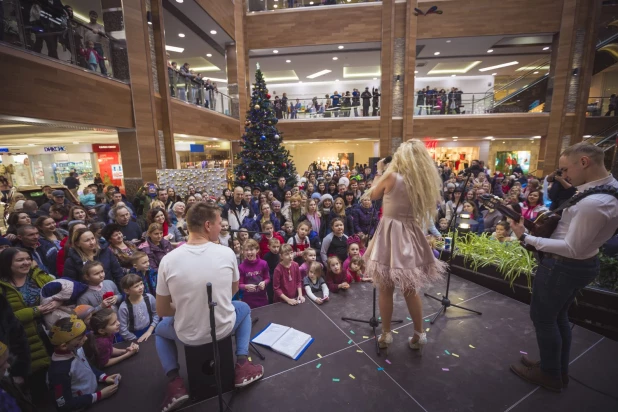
(179, 1)
(545, 48)
(288, 61)
(31, 144)
(375, 78)
(300, 81)
(448, 41)
(493, 74)
(453, 75)
(336, 80)
(503, 142)
(340, 47)
(415, 71)
(490, 51)
(275, 51)
(335, 58)
(436, 53)
(181, 35)
(455, 137)
(208, 55)
(535, 73)
(213, 32)
(75, 142)
(276, 6)
(311, 3)
(587, 135)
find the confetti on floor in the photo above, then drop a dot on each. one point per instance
(318, 366)
(438, 293)
(365, 337)
(427, 330)
(460, 298)
(380, 369)
(447, 352)
(523, 353)
(409, 318)
(319, 356)
(395, 332)
(352, 332)
(350, 341)
(472, 346)
(445, 369)
(455, 355)
(351, 376)
(389, 362)
(359, 351)
(335, 380)
(427, 320)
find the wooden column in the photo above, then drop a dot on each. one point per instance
(409, 66)
(164, 84)
(144, 147)
(386, 89)
(242, 62)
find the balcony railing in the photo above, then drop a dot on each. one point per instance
(272, 5)
(198, 91)
(602, 106)
(39, 26)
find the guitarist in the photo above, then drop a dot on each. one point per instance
(570, 262)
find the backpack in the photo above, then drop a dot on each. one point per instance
(130, 308)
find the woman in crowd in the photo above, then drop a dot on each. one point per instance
(120, 248)
(21, 285)
(515, 192)
(65, 245)
(228, 195)
(50, 239)
(322, 188)
(470, 208)
(349, 200)
(294, 211)
(312, 215)
(178, 216)
(339, 211)
(325, 205)
(533, 205)
(533, 184)
(265, 215)
(15, 220)
(310, 189)
(286, 201)
(451, 204)
(365, 218)
(170, 231)
(276, 208)
(85, 248)
(332, 188)
(171, 194)
(190, 199)
(155, 246)
(79, 213)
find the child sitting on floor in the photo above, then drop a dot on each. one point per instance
(268, 227)
(356, 270)
(272, 259)
(72, 378)
(101, 292)
(99, 348)
(254, 276)
(141, 267)
(335, 276)
(300, 241)
(354, 250)
(314, 283)
(138, 313)
(286, 279)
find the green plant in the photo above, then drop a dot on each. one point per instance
(608, 275)
(509, 258)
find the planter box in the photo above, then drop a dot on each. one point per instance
(595, 309)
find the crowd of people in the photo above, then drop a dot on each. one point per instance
(434, 101)
(197, 89)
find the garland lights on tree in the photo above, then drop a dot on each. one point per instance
(263, 159)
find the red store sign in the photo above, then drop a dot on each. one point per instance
(105, 148)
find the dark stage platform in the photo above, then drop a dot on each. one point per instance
(477, 380)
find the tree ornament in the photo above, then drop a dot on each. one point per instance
(277, 136)
(262, 137)
(256, 107)
(284, 165)
(242, 177)
(268, 96)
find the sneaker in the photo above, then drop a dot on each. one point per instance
(175, 395)
(526, 361)
(247, 373)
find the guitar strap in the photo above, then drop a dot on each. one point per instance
(596, 190)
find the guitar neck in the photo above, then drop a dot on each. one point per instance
(511, 214)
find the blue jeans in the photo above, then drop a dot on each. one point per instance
(555, 287)
(165, 337)
(99, 49)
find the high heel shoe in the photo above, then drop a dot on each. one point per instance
(385, 339)
(420, 343)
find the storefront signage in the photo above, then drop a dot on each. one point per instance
(103, 148)
(196, 148)
(431, 144)
(4, 149)
(53, 149)
(117, 172)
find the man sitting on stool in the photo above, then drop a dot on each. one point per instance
(182, 301)
(570, 262)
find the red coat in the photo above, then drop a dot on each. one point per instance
(264, 243)
(62, 253)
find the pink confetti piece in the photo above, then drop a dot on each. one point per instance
(389, 362)
(445, 369)
(523, 353)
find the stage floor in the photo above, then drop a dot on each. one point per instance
(478, 379)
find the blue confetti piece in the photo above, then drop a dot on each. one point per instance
(350, 341)
(447, 352)
(380, 369)
(427, 320)
(352, 332)
(409, 318)
(318, 365)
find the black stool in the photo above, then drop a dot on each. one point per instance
(201, 369)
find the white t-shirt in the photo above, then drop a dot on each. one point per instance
(183, 275)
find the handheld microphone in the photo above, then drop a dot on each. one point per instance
(387, 160)
(209, 292)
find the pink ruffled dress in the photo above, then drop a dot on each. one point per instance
(399, 254)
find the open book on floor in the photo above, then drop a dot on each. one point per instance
(284, 340)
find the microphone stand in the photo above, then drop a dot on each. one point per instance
(445, 301)
(215, 346)
(373, 321)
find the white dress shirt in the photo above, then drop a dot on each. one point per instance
(585, 226)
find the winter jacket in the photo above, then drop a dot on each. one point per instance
(13, 334)
(29, 318)
(73, 265)
(155, 253)
(50, 252)
(365, 220)
(235, 217)
(256, 226)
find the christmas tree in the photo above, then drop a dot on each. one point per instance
(263, 159)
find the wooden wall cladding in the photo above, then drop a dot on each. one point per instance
(345, 24)
(222, 11)
(46, 89)
(487, 17)
(336, 128)
(203, 122)
(482, 125)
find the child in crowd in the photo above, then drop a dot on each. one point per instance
(243, 235)
(268, 227)
(237, 248)
(335, 277)
(287, 231)
(88, 198)
(137, 314)
(272, 259)
(99, 348)
(141, 267)
(336, 242)
(300, 241)
(92, 57)
(502, 233)
(314, 282)
(310, 256)
(224, 235)
(72, 378)
(443, 226)
(254, 276)
(286, 279)
(84, 312)
(356, 270)
(101, 292)
(354, 250)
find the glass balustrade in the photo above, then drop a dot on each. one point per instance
(602, 106)
(272, 5)
(198, 91)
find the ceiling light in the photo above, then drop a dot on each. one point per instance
(415, 71)
(300, 81)
(336, 80)
(213, 32)
(335, 58)
(174, 49)
(546, 48)
(498, 66)
(436, 53)
(150, 23)
(455, 137)
(340, 47)
(493, 74)
(535, 73)
(275, 51)
(288, 61)
(587, 135)
(31, 144)
(448, 41)
(489, 137)
(453, 75)
(75, 142)
(311, 3)
(189, 142)
(276, 6)
(375, 78)
(208, 55)
(536, 137)
(490, 51)
(318, 74)
(461, 70)
(181, 35)
(179, 1)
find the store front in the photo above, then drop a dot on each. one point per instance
(207, 155)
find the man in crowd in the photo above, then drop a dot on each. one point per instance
(237, 210)
(182, 295)
(164, 197)
(57, 199)
(280, 189)
(32, 209)
(117, 198)
(366, 96)
(28, 238)
(95, 33)
(129, 229)
(72, 183)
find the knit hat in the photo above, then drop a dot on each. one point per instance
(65, 333)
(325, 197)
(64, 289)
(19, 205)
(344, 181)
(82, 311)
(315, 195)
(450, 185)
(3, 349)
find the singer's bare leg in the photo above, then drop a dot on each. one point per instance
(415, 307)
(386, 306)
